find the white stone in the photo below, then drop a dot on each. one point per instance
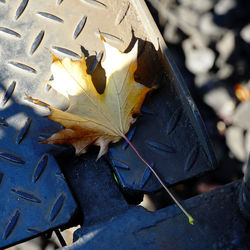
(226, 45)
(242, 115)
(223, 6)
(198, 5)
(222, 103)
(209, 28)
(235, 142)
(171, 34)
(225, 71)
(198, 60)
(188, 16)
(245, 33)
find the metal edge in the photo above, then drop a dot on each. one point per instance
(159, 43)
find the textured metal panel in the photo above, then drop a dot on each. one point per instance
(34, 197)
(168, 134)
(166, 138)
(165, 135)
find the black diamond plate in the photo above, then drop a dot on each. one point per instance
(165, 137)
(34, 196)
(170, 134)
(33, 199)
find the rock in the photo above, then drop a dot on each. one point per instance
(171, 34)
(202, 80)
(198, 59)
(188, 16)
(222, 103)
(247, 141)
(209, 28)
(241, 116)
(161, 8)
(225, 71)
(226, 45)
(245, 33)
(198, 5)
(223, 6)
(235, 142)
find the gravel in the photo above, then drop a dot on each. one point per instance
(210, 40)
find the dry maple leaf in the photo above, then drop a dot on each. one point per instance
(94, 118)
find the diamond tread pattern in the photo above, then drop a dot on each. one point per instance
(165, 134)
(34, 195)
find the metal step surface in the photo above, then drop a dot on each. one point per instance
(34, 198)
(169, 134)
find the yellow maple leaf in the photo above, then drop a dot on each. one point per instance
(94, 118)
(98, 119)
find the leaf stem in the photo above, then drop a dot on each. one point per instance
(190, 218)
